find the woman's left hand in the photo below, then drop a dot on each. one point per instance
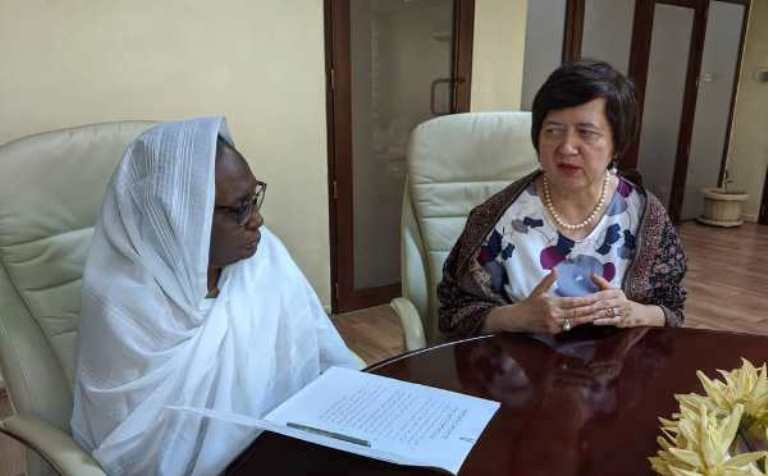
(612, 308)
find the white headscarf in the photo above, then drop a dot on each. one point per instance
(149, 339)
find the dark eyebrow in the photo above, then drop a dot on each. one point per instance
(588, 125)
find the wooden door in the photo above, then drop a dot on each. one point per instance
(390, 65)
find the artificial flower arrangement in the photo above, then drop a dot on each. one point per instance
(722, 433)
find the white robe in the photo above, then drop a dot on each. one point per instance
(149, 339)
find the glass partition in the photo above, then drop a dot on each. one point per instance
(665, 89)
(545, 26)
(607, 32)
(400, 55)
(713, 103)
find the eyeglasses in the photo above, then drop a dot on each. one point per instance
(252, 204)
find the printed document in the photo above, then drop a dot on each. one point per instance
(384, 418)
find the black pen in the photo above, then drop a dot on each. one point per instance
(331, 434)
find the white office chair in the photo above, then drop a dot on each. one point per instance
(51, 187)
(454, 163)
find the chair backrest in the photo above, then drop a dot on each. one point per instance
(51, 186)
(454, 163)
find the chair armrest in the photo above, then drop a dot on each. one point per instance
(361, 363)
(413, 328)
(55, 446)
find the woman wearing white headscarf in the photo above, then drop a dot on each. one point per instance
(189, 302)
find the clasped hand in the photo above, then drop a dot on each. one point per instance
(542, 312)
(606, 307)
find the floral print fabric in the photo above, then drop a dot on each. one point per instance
(525, 245)
(466, 296)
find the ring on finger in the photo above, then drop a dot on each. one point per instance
(566, 325)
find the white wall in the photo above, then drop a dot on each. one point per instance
(260, 63)
(497, 55)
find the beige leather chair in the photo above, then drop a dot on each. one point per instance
(51, 186)
(454, 163)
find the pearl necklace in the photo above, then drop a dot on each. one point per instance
(588, 220)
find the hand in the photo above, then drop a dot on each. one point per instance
(541, 312)
(611, 307)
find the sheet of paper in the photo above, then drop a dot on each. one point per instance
(385, 418)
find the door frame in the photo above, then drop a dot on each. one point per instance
(344, 296)
(639, 60)
(762, 218)
(573, 32)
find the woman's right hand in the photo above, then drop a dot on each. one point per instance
(540, 312)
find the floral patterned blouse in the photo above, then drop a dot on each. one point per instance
(525, 245)
(654, 275)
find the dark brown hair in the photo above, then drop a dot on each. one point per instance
(579, 82)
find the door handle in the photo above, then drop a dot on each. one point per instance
(453, 82)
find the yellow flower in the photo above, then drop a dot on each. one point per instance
(697, 441)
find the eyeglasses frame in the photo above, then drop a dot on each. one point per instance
(242, 213)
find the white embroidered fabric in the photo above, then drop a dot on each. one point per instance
(150, 340)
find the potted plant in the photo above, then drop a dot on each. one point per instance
(722, 205)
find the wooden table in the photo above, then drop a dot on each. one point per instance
(584, 403)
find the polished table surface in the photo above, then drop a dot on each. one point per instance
(583, 403)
